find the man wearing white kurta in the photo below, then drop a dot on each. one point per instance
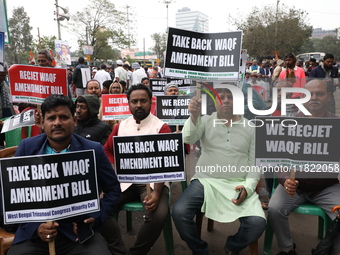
(227, 149)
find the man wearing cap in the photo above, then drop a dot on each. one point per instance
(120, 72)
(138, 74)
(102, 75)
(171, 89)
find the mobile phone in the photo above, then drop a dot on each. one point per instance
(238, 194)
(85, 231)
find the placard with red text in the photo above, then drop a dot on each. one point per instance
(32, 84)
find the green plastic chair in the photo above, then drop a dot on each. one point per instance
(308, 209)
(13, 137)
(167, 228)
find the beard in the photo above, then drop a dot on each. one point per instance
(140, 114)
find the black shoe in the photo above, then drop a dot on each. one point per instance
(291, 252)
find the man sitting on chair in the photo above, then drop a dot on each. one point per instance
(215, 193)
(291, 194)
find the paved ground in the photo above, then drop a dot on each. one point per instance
(304, 230)
(303, 227)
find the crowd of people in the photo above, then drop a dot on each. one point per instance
(68, 126)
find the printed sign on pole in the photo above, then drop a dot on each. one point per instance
(63, 52)
(204, 56)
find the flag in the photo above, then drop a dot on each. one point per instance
(32, 59)
(54, 63)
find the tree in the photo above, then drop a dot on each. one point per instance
(17, 51)
(273, 30)
(160, 44)
(101, 25)
(328, 44)
(46, 42)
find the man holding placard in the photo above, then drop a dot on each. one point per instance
(290, 194)
(34, 237)
(220, 188)
(141, 123)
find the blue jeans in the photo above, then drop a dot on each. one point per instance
(185, 209)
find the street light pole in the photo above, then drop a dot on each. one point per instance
(167, 2)
(60, 17)
(58, 22)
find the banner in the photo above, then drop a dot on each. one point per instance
(183, 85)
(4, 21)
(301, 144)
(115, 107)
(173, 110)
(44, 188)
(205, 56)
(149, 158)
(88, 50)
(63, 52)
(32, 84)
(23, 119)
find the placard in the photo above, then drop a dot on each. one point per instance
(173, 110)
(301, 144)
(44, 188)
(149, 158)
(157, 86)
(204, 56)
(115, 107)
(32, 84)
(23, 119)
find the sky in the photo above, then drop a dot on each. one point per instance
(149, 17)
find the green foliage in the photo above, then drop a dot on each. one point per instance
(46, 42)
(101, 25)
(17, 52)
(269, 30)
(327, 44)
(160, 44)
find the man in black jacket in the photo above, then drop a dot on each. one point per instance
(329, 73)
(77, 77)
(88, 124)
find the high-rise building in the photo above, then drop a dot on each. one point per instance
(192, 20)
(320, 33)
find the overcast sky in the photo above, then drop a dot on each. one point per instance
(151, 16)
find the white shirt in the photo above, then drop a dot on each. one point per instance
(138, 75)
(102, 76)
(121, 73)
